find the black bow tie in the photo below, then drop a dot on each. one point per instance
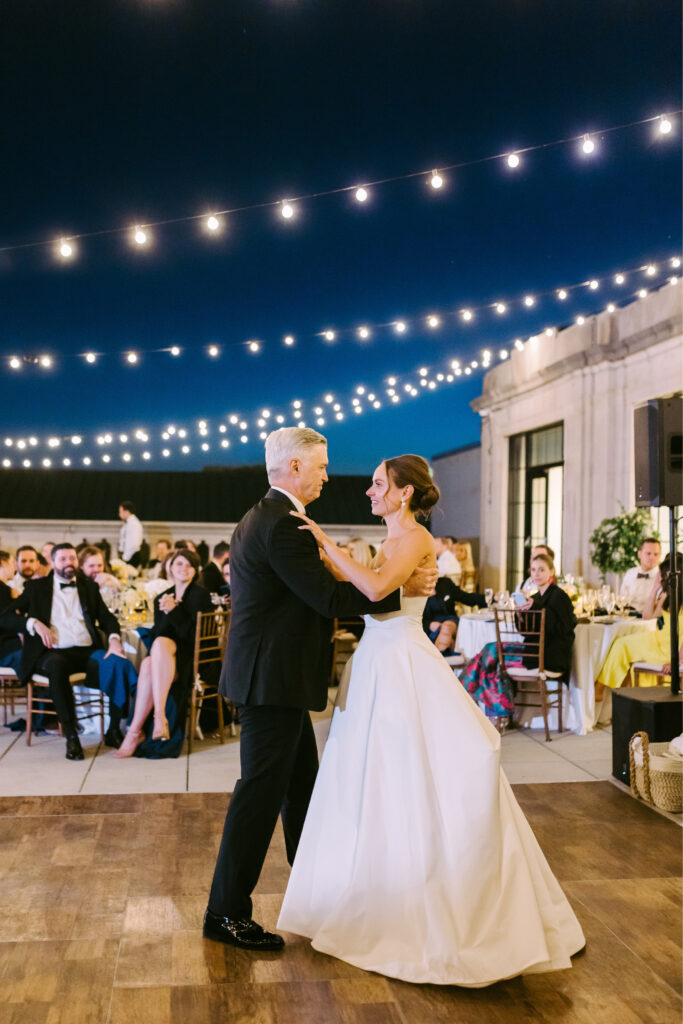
(643, 576)
(63, 586)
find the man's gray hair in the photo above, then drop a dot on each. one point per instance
(288, 442)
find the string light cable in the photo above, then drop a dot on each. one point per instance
(463, 316)
(146, 445)
(66, 248)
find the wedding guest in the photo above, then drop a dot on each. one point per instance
(462, 549)
(91, 563)
(212, 575)
(226, 578)
(189, 544)
(360, 551)
(638, 582)
(162, 549)
(59, 617)
(440, 619)
(202, 550)
(46, 550)
(652, 647)
(10, 644)
(482, 676)
(43, 567)
(27, 566)
(446, 562)
(538, 549)
(165, 678)
(131, 534)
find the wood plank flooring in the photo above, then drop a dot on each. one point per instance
(102, 899)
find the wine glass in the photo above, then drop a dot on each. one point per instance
(488, 595)
(609, 602)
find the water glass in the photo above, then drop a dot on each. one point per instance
(488, 595)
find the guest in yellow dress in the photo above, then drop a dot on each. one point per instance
(653, 647)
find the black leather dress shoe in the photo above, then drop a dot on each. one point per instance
(113, 737)
(74, 750)
(240, 931)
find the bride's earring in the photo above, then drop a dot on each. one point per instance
(403, 503)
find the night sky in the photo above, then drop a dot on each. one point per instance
(120, 112)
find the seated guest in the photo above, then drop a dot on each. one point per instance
(46, 550)
(27, 566)
(225, 590)
(653, 647)
(60, 616)
(539, 549)
(482, 676)
(638, 582)
(165, 679)
(190, 544)
(462, 549)
(162, 550)
(446, 562)
(91, 563)
(360, 551)
(43, 569)
(212, 575)
(440, 619)
(10, 644)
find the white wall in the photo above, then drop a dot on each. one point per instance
(458, 476)
(590, 377)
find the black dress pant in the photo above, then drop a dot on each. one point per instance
(279, 763)
(58, 664)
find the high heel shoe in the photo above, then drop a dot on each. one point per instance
(161, 729)
(131, 742)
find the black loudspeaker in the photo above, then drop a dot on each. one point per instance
(650, 709)
(658, 450)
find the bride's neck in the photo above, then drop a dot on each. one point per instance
(398, 523)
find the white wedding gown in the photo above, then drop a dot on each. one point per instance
(415, 859)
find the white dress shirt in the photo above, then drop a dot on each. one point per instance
(295, 501)
(130, 537)
(448, 564)
(17, 582)
(67, 624)
(639, 590)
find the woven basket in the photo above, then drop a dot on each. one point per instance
(659, 779)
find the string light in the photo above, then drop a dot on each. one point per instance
(501, 308)
(288, 340)
(15, 363)
(513, 160)
(642, 293)
(213, 351)
(675, 262)
(593, 285)
(436, 181)
(467, 315)
(529, 301)
(619, 278)
(562, 294)
(400, 327)
(588, 145)
(174, 350)
(139, 236)
(361, 195)
(665, 125)
(651, 270)
(580, 320)
(363, 333)
(287, 210)
(45, 362)
(329, 335)
(254, 347)
(66, 249)
(611, 307)
(433, 321)
(90, 357)
(212, 224)
(132, 358)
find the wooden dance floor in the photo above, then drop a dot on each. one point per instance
(102, 900)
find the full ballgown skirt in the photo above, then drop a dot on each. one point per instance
(415, 859)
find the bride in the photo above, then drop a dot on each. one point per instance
(415, 859)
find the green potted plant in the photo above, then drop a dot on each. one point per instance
(615, 542)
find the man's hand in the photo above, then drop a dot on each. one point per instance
(421, 583)
(114, 648)
(44, 632)
(446, 637)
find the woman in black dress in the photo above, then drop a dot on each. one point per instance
(165, 679)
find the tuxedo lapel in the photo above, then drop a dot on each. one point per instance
(85, 608)
(45, 592)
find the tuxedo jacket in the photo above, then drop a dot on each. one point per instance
(36, 602)
(212, 578)
(441, 605)
(9, 637)
(282, 600)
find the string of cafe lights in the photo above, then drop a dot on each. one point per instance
(435, 319)
(140, 236)
(221, 433)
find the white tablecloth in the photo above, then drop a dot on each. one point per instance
(591, 644)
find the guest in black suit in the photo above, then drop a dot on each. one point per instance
(275, 671)
(10, 644)
(440, 619)
(61, 616)
(165, 677)
(212, 578)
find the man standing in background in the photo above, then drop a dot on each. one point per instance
(130, 537)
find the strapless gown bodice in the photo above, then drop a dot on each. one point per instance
(411, 610)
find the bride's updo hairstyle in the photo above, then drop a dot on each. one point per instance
(413, 470)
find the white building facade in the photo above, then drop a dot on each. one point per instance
(557, 433)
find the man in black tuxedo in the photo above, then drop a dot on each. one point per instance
(212, 578)
(59, 616)
(275, 672)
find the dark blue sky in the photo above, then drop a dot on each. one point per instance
(130, 111)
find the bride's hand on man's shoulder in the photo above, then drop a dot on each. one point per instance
(308, 524)
(421, 582)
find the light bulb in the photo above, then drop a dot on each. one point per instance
(66, 250)
(436, 181)
(503, 353)
(593, 285)
(90, 357)
(399, 327)
(66, 462)
(619, 278)
(651, 270)
(87, 460)
(146, 456)
(288, 340)
(642, 293)
(562, 294)
(287, 210)
(361, 195)
(501, 307)
(132, 358)
(519, 344)
(213, 351)
(329, 335)
(611, 307)
(513, 160)
(212, 223)
(254, 347)
(76, 439)
(665, 125)
(467, 315)
(588, 146)
(140, 236)
(15, 363)
(47, 463)
(126, 457)
(529, 301)
(106, 458)
(580, 320)
(174, 350)
(675, 262)
(45, 362)
(433, 321)
(363, 332)
(165, 452)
